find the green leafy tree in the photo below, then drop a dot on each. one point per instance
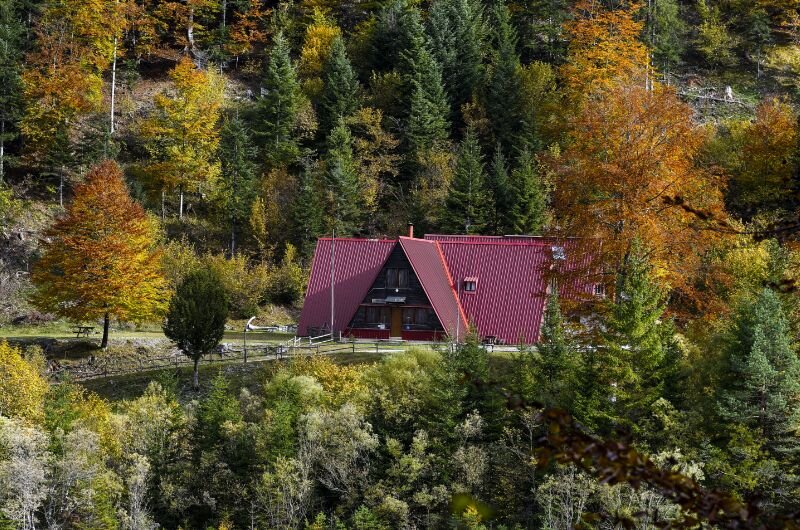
(467, 198)
(278, 107)
(556, 363)
(527, 211)
(665, 33)
(340, 93)
(237, 187)
(196, 316)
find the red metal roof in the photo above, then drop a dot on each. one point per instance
(428, 263)
(357, 263)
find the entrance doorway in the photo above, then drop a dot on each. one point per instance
(397, 322)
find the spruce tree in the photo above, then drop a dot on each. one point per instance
(634, 341)
(502, 97)
(427, 126)
(340, 93)
(467, 198)
(238, 177)
(527, 211)
(12, 31)
(307, 212)
(457, 32)
(556, 363)
(497, 185)
(342, 183)
(761, 389)
(278, 105)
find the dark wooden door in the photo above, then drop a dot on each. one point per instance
(397, 322)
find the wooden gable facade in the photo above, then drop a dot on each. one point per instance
(396, 305)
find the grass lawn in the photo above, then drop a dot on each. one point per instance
(250, 375)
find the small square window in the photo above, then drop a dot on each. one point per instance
(470, 285)
(599, 290)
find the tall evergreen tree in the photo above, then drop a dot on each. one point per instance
(457, 31)
(634, 341)
(467, 198)
(497, 185)
(527, 211)
(12, 32)
(398, 27)
(502, 93)
(428, 125)
(238, 176)
(665, 33)
(556, 363)
(761, 389)
(340, 93)
(278, 106)
(342, 183)
(307, 212)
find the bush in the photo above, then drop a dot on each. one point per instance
(287, 283)
(246, 285)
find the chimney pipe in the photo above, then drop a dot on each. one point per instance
(411, 230)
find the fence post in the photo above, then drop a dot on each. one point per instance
(245, 344)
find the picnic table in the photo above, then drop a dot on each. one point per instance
(82, 331)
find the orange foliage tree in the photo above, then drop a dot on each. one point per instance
(604, 46)
(629, 172)
(100, 260)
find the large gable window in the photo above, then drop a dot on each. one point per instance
(397, 278)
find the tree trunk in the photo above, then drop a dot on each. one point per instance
(113, 85)
(104, 341)
(61, 187)
(2, 150)
(180, 208)
(196, 379)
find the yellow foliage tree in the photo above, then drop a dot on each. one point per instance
(22, 387)
(604, 46)
(316, 48)
(183, 133)
(100, 259)
(629, 172)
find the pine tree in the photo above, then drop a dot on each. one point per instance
(342, 183)
(497, 185)
(237, 189)
(527, 211)
(665, 33)
(502, 97)
(761, 389)
(12, 31)
(556, 362)
(634, 341)
(457, 31)
(278, 106)
(427, 126)
(308, 209)
(340, 93)
(467, 198)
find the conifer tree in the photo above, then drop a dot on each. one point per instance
(497, 185)
(238, 175)
(634, 341)
(12, 31)
(428, 126)
(556, 363)
(527, 211)
(467, 198)
(761, 388)
(502, 98)
(100, 260)
(340, 93)
(457, 31)
(278, 106)
(308, 212)
(342, 183)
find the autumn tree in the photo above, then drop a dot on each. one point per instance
(604, 46)
(22, 387)
(99, 259)
(316, 52)
(630, 172)
(196, 317)
(182, 134)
